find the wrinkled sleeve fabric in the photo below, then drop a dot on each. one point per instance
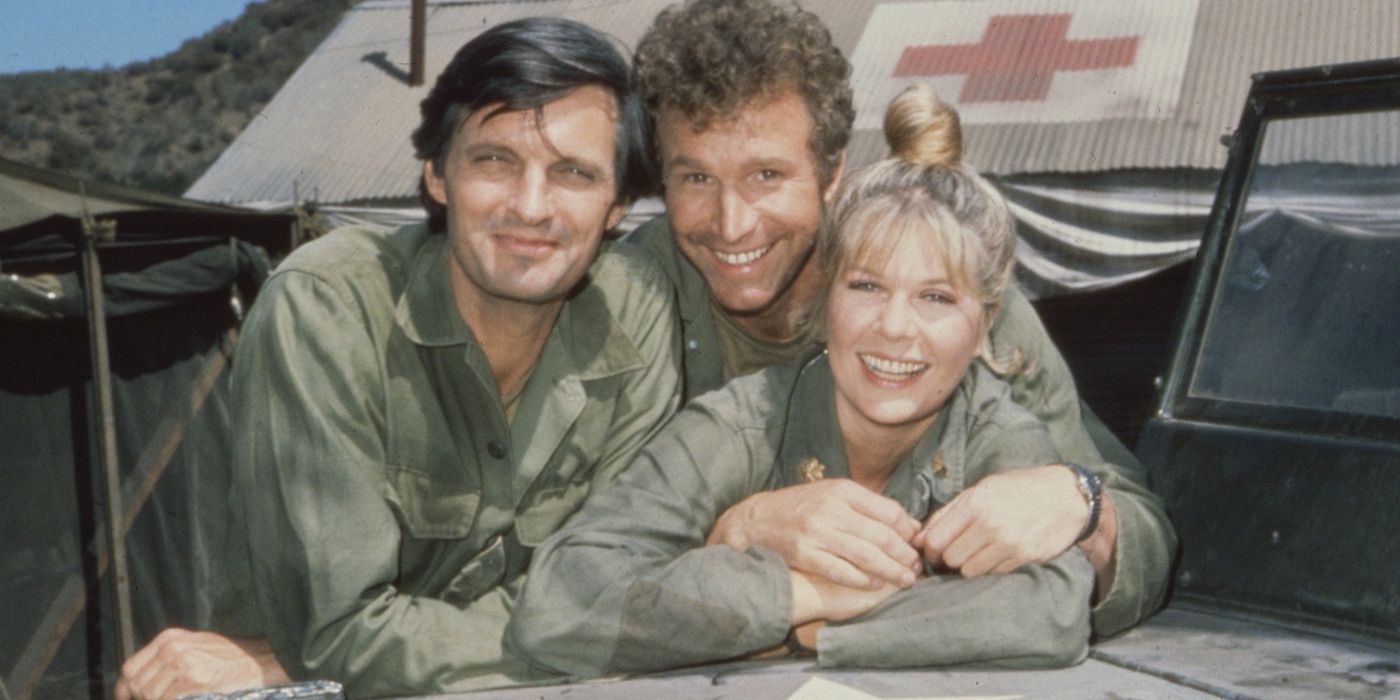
(628, 585)
(1034, 617)
(323, 543)
(1146, 540)
(640, 296)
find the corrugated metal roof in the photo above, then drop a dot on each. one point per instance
(338, 130)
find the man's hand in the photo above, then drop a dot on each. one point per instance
(1005, 521)
(180, 662)
(834, 528)
(815, 598)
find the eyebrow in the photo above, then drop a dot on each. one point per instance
(926, 282)
(561, 158)
(683, 162)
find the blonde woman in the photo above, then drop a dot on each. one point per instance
(916, 256)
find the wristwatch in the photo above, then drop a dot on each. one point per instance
(1091, 488)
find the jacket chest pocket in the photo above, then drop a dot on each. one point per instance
(432, 507)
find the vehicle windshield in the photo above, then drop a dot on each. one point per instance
(1307, 312)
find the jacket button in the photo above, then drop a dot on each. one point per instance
(496, 449)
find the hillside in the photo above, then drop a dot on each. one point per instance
(158, 124)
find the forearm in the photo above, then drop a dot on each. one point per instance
(628, 585)
(592, 610)
(1136, 560)
(1037, 616)
(399, 644)
(1100, 548)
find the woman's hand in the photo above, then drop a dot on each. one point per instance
(835, 529)
(815, 598)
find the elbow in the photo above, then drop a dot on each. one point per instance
(549, 631)
(1065, 619)
(539, 639)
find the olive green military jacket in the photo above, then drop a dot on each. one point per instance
(629, 584)
(1146, 540)
(389, 508)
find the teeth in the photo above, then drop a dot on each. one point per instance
(892, 367)
(742, 258)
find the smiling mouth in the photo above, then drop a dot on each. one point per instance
(518, 242)
(893, 370)
(742, 258)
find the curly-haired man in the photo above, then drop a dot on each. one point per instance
(752, 109)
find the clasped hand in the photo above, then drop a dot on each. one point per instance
(837, 531)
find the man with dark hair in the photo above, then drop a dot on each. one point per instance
(752, 112)
(410, 405)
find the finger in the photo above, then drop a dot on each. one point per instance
(985, 561)
(153, 681)
(822, 564)
(123, 689)
(132, 667)
(967, 544)
(1007, 566)
(888, 558)
(944, 527)
(890, 547)
(885, 511)
(145, 684)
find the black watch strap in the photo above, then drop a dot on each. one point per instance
(1091, 488)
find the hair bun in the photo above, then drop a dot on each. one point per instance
(922, 129)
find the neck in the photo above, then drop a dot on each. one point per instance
(511, 333)
(874, 451)
(777, 322)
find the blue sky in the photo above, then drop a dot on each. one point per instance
(44, 34)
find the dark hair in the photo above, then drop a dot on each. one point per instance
(709, 59)
(526, 64)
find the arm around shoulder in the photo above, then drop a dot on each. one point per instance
(1143, 541)
(628, 585)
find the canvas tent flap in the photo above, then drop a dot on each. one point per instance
(50, 295)
(172, 272)
(32, 194)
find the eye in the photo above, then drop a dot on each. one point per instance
(695, 179)
(938, 297)
(769, 175)
(862, 285)
(577, 174)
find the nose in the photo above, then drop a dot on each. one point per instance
(531, 203)
(896, 318)
(737, 218)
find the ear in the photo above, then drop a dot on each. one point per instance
(835, 183)
(616, 213)
(437, 186)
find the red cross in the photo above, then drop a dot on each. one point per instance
(1017, 58)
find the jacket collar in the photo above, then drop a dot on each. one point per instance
(925, 479)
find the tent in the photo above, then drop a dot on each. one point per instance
(1100, 119)
(174, 275)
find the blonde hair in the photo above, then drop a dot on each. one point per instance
(923, 189)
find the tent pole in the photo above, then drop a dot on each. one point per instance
(102, 391)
